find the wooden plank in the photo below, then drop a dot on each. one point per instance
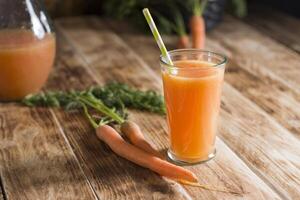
(242, 79)
(120, 63)
(278, 100)
(263, 55)
(275, 99)
(279, 26)
(36, 161)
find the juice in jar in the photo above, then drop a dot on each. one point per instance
(25, 62)
(192, 94)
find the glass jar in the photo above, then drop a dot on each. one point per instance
(27, 48)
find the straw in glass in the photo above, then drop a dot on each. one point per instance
(157, 36)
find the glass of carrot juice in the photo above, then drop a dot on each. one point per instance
(192, 90)
(27, 48)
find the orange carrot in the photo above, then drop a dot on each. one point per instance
(133, 132)
(197, 24)
(183, 42)
(197, 27)
(111, 137)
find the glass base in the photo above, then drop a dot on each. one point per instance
(180, 161)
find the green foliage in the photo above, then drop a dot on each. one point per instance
(121, 95)
(169, 15)
(132, 9)
(239, 8)
(127, 9)
(198, 6)
(121, 9)
(110, 101)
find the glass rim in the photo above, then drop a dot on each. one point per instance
(220, 64)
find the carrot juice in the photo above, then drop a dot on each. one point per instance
(25, 62)
(192, 91)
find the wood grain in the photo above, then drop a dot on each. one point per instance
(276, 99)
(244, 73)
(120, 63)
(279, 26)
(263, 55)
(36, 162)
(252, 123)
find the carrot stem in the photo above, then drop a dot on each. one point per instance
(99, 106)
(199, 7)
(196, 8)
(203, 6)
(89, 117)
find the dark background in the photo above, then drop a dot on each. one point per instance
(291, 7)
(58, 8)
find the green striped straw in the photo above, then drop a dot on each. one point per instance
(157, 36)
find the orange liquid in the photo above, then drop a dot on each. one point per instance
(193, 100)
(25, 62)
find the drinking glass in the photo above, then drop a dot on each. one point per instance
(192, 91)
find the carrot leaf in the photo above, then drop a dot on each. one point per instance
(198, 6)
(110, 101)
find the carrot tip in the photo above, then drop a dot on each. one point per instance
(211, 188)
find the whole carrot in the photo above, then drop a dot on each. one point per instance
(133, 132)
(197, 24)
(112, 138)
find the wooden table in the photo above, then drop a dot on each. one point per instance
(51, 154)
